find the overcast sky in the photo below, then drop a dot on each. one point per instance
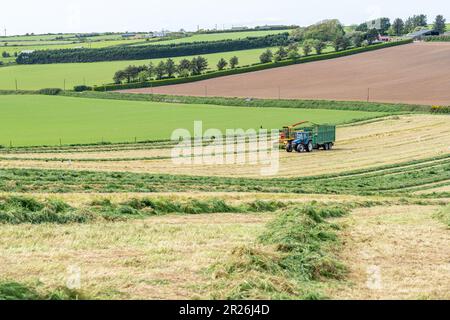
(43, 16)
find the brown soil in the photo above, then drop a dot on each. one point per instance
(418, 73)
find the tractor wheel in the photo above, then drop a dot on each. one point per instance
(309, 147)
(289, 147)
(300, 148)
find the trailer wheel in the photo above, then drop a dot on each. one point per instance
(330, 146)
(289, 147)
(309, 147)
(300, 148)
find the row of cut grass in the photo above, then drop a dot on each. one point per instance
(394, 183)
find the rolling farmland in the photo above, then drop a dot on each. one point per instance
(33, 77)
(415, 73)
(92, 186)
(42, 120)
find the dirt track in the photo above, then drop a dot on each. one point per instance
(418, 73)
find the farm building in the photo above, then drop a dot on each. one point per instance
(128, 35)
(422, 33)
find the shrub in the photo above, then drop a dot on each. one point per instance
(82, 88)
(440, 109)
(50, 91)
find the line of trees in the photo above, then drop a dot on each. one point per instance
(169, 69)
(150, 51)
(400, 27)
(341, 41)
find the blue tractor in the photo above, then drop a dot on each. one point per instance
(308, 138)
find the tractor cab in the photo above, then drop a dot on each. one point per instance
(301, 137)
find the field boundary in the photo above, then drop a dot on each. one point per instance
(393, 108)
(252, 68)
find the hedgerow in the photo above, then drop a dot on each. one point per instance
(150, 51)
(252, 68)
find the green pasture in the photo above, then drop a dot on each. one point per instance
(20, 43)
(219, 36)
(27, 120)
(38, 76)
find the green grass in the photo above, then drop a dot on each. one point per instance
(392, 108)
(296, 252)
(10, 290)
(19, 209)
(33, 77)
(43, 120)
(48, 43)
(219, 36)
(390, 180)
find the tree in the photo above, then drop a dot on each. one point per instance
(151, 70)
(282, 53)
(439, 24)
(119, 76)
(131, 72)
(198, 65)
(420, 20)
(222, 64)
(398, 27)
(385, 24)
(184, 67)
(319, 46)
(170, 68)
(346, 42)
(143, 76)
(297, 34)
(357, 38)
(266, 56)
(412, 23)
(293, 53)
(307, 47)
(160, 70)
(409, 26)
(234, 61)
(362, 27)
(325, 31)
(372, 35)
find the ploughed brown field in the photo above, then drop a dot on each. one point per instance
(417, 73)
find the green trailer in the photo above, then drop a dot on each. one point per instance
(308, 137)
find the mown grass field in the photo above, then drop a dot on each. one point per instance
(312, 235)
(43, 120)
